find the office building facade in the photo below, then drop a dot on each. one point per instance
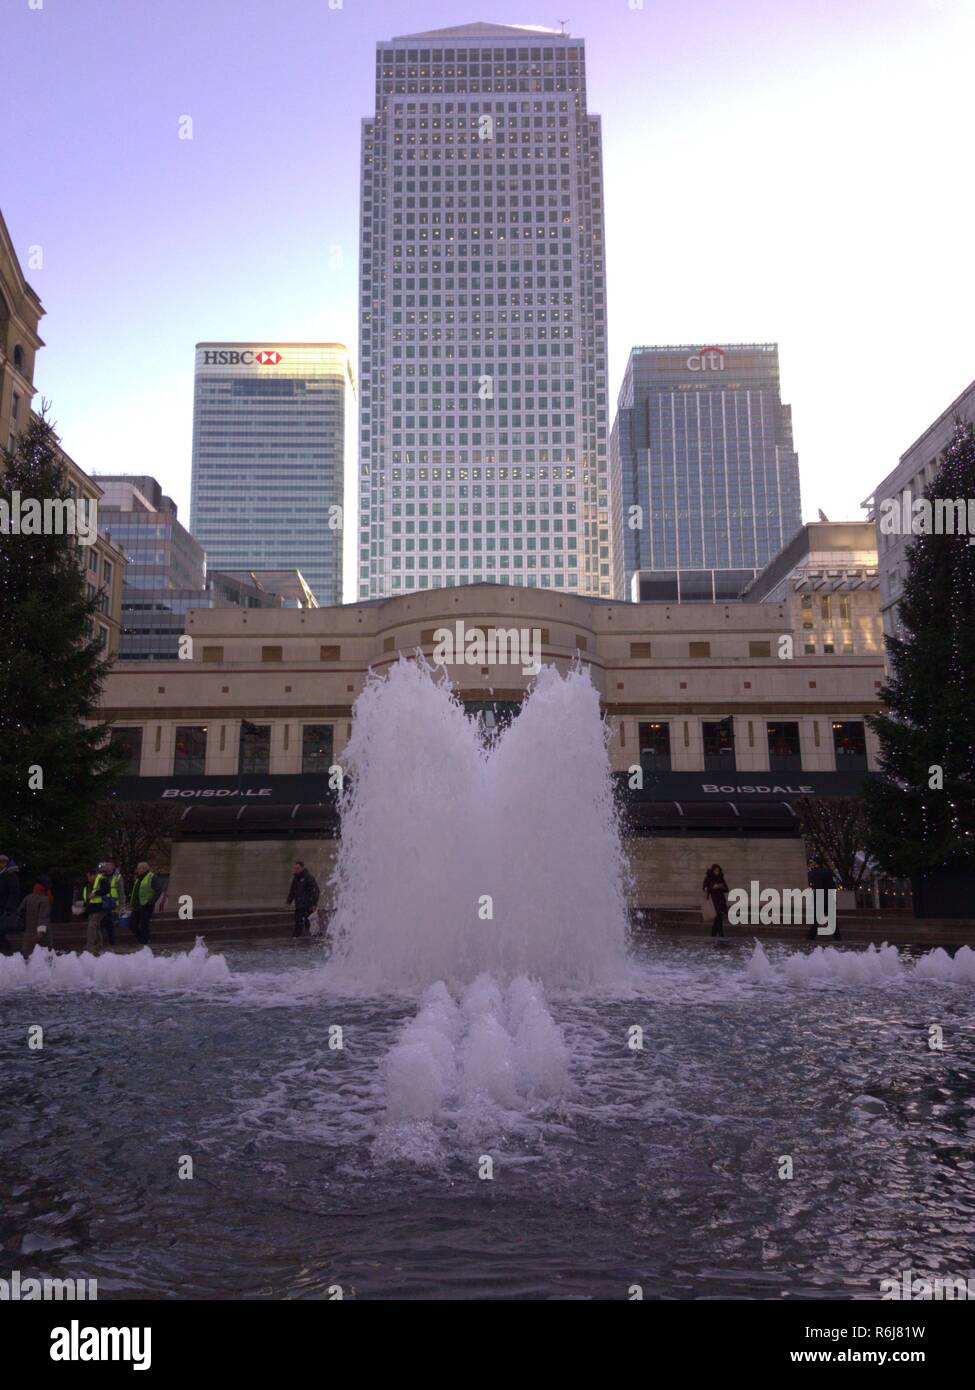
(271, 426)
(21, 311)
(165, 570)
(483, 445)
(708, 475)
(726, 735)
(916, 470)
(827, 576)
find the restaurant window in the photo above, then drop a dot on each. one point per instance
(700, 649)
(329, 653)
(255, 747)
(639, 651)
(807, 611)
(213, 653)
(760, 649)
(190, 756)
(655, 747)
(783, 747)
(850, 744)
(719, 745)
(129, 742)
(316, 747)
(272, 653)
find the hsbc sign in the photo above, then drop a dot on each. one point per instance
(245, 357)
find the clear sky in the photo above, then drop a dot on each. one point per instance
(797, 171)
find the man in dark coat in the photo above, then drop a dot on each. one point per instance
(146, 892)
(820, 880)
(10, 896)
(304, 893)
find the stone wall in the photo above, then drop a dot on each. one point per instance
(667, 871)
(244, 873)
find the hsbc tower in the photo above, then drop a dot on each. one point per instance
(271, 426)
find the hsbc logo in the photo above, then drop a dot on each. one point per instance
(709, 359)
(225, 357)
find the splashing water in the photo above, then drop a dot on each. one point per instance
(45, 970)
(875, 965)
(486, 1063)
(458, 859)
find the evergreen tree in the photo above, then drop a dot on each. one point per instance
(54, 766)
(923, 817)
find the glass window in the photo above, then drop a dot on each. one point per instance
(655, 747)
(849, 743)
(316, 747)
(719, 745)
(783, 747)
(255, 747)
(130, 742)
(190, 755)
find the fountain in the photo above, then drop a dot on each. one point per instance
(480, 1091)
(459, 858)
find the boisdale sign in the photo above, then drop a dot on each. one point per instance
(241, 357)
(287, 789)
(698, 786)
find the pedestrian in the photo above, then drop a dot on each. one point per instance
(304, 893)
(146, 891)
(35, 914)
(98, 910)
(116, 897)
(10, 896)
(821, 879)
(716, 889)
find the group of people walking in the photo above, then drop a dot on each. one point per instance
(102, 904)
(103, 898)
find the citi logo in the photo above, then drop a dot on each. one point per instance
(226, 357)
(709, 359)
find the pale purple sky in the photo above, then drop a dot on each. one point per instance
(795, 171)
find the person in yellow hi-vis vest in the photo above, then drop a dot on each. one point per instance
(104, 904)
(146, 891)
(94, 898)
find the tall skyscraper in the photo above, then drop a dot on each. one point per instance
(271, 425)
(483, 423)
(709, 478)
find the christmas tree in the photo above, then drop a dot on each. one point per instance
(922, 817)
(54, 765)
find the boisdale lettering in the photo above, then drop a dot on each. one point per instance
(713, 789)
(216, 791)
